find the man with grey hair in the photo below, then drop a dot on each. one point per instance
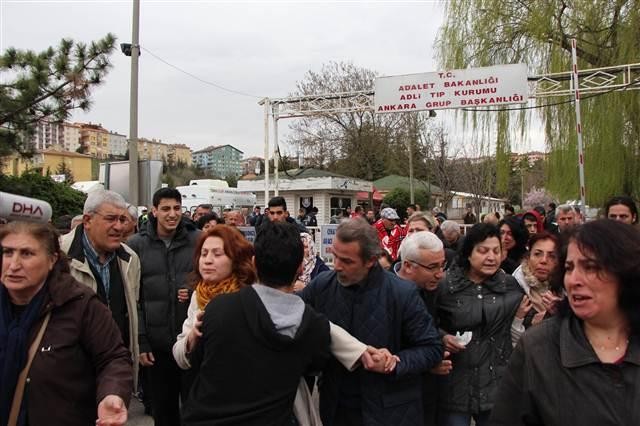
(101, 261)
(133, 224)
(423, 262)
(565, 217)
(381, 310)
(451, 233)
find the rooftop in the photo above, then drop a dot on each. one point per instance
(391, 182)
(304, 173)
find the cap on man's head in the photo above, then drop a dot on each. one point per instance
(389, 213)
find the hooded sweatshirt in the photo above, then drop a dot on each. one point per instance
(539, 220)
(257, 344)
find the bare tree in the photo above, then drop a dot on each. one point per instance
(356, 143)
(476, 172)
(440, 156)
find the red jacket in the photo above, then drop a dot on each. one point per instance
(390, 241)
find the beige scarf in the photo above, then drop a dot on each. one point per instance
(536, 288)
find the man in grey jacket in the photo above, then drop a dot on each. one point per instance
(165, 247)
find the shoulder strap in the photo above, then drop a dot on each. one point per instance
(22, 379)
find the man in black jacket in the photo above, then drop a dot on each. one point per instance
(423, 262)
(381, 310)
(165, 248)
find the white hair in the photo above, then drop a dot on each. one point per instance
(450, 225)
(133, 211)
(564, 208)
(424, 240)
(99, 197)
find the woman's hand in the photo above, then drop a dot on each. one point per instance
(298, 285)
(111, 411)
(451, 344)
(550, 301)
(196, 333)
(524, 308)
(183, 295)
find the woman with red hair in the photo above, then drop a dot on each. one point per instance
(222, 264)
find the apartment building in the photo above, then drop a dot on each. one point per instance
(94, 139)
(179, 153)
(118, 144)
(221, 160)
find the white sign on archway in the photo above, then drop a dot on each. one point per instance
(468, 88)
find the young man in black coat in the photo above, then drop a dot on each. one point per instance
(259, 342)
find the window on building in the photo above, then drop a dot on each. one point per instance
(338, 204)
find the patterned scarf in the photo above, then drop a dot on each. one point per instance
(309, 262)
(205, 292)
(536, 287)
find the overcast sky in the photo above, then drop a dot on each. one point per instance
(259, 48)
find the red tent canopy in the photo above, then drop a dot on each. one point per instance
(364, 196)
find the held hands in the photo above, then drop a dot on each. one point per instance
(111, 411)
(379, 360)
(444, 367)
(196, 332)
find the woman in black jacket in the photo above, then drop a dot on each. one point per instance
(514, 237)
(477, 298)
(582, 367)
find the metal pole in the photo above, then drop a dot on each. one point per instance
(133, 106)
(414, 133)
(576, 91)
(276, 149)
(266, 151)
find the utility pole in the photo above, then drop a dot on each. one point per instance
(133, 107)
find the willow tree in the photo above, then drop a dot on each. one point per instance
(490, 32)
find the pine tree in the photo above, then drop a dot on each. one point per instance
(47, 86)
(63, 169)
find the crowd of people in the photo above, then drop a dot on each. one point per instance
(520, 319)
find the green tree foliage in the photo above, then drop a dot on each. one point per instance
(489, 32)
(399, 199)
(63, 169)
(64, 200)
(47, 86)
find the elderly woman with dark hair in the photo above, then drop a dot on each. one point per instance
(582, 367)
(62, 359)
(478, 300)
(514, 237)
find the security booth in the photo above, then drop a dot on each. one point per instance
(307, 188)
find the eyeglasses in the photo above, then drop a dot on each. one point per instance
(434, 267)
(113, 218)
